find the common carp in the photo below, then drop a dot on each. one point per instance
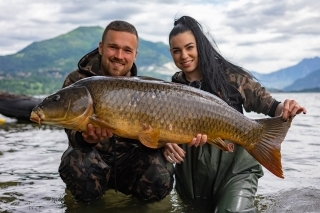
(154, 112)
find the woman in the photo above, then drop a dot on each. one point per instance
(220, 181)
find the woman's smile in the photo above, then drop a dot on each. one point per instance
(187, 63)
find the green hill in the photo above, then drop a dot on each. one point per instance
(41, 67)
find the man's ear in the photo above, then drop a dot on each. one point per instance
(136, 55)
(170, 51)
(100, 47)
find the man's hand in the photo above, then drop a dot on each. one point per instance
(96, 134)
(175, 154)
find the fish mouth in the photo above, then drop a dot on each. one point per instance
(36, 117)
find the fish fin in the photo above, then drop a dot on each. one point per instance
(220, 144)
(97, 122)
(147, 78)
(149, 137)
(267, 150)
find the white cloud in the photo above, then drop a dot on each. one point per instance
(260, 35)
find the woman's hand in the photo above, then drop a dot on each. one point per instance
(289, 108)
(96, 134)
(175, 154)
(199, 140)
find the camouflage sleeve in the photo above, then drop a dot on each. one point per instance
(75, 138)
(256, 97)
(72, 78)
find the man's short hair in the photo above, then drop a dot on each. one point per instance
(121, 26)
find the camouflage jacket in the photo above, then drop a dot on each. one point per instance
(89, 66)
(243, 91)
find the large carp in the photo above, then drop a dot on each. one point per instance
(154, 111)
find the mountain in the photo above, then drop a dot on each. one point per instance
(309, 82)
(59, 54)
(285, 77)
(42, 66)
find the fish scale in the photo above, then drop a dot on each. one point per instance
(154, 112)
(177, 113)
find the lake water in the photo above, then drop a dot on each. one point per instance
(29, 181)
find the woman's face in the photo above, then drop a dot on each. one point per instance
(184, 53)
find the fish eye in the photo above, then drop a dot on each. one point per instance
(56, 97)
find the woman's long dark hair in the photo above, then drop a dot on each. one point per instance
(211, 64)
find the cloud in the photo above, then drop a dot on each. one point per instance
(260, 35)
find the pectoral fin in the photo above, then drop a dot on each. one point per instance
(149, 136)
(221, 144)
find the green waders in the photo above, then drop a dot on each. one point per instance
(218, 181)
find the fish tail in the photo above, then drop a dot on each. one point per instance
(267, 150)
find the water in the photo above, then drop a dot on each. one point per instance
(29, 160)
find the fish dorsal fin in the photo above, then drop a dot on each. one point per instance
(221, 144)
(97, 122)
(149, 136)
(147, 78)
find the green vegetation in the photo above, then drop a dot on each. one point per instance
(36, 85)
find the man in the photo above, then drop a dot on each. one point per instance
(96, 160)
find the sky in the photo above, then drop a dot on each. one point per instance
(259, 35)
